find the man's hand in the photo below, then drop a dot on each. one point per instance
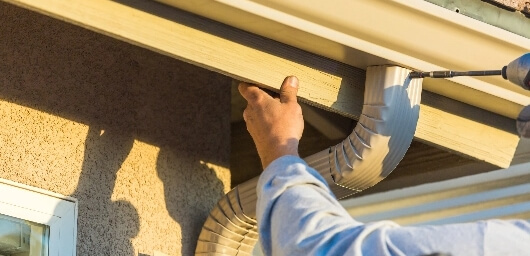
(275, 123)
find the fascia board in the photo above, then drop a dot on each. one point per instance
(412, 33)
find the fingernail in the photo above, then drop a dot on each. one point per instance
(292, 81)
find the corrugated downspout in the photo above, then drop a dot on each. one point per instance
(374, 148)
(384, 131)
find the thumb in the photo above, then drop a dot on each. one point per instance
(289, 89)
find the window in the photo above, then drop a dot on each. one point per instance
(22, 238)
(35, 222)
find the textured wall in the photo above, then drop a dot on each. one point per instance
(141, 140)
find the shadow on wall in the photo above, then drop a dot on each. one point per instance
(115, 222)
(123, 93)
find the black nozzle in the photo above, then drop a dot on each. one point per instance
(503, 72)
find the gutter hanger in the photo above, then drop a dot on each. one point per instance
(373, 149)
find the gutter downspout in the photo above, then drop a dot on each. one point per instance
(374, 148)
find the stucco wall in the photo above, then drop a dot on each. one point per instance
(140, 139)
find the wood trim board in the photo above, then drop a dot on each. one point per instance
(325, 83)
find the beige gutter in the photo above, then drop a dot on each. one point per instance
(413, 33)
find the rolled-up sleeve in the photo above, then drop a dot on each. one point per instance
(298, 215)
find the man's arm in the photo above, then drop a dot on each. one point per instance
(298, 215)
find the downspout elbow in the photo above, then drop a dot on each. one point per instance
(384, 132)
(373, 149)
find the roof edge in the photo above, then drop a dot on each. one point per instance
(428, 37)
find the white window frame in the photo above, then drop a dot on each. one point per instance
(44, 207)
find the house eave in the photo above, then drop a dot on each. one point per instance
(328, 84)
(411, 33)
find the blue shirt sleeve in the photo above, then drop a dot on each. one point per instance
(298, 215)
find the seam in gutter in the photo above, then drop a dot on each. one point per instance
(231, 227)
